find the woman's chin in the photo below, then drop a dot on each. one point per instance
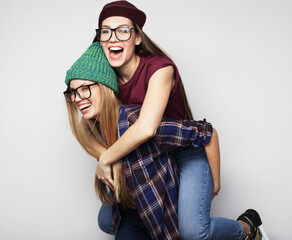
(89, 116)
(116, 63)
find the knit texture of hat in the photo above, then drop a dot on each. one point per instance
(94, 66)
(124, 9)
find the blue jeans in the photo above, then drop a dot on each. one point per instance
(195, 196)
(131, 226)
(105, 219)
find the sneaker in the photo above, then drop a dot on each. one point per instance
(252, 218)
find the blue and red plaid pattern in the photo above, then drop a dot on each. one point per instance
(151, 172)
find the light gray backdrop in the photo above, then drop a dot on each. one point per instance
(235, 60)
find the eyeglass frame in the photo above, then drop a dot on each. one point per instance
(113, 30)
(76, 91)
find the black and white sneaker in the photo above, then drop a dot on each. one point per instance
(252, 218)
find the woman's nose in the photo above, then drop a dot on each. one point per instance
(77, 97)
(114, 37)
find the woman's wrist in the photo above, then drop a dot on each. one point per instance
(101, 158)
(216, 188)
(104, 159)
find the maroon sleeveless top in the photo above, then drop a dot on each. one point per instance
(133, 92)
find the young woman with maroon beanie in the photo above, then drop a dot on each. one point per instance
(148, 78)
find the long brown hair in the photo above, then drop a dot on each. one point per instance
(103, 131)
(146, 48)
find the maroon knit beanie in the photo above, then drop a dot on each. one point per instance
(124, 9)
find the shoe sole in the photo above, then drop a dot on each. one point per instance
(264, 234)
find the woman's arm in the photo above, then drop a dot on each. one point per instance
(100, 149)
(213, 155)
(156, 99)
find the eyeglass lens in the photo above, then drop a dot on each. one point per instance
(121, 33)
(83, 92)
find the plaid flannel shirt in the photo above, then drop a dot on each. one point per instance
(151, 172)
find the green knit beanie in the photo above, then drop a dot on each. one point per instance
(94, 66)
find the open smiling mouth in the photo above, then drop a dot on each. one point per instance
(84, 107)
(115, 52)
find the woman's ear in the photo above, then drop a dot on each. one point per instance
(138, 39)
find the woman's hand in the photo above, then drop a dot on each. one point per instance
(104, 173)
(216, 189)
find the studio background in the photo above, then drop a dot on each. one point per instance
(235, 59)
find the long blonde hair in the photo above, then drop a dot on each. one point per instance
(104, 131)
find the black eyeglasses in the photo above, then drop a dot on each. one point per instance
(83, 92)
(122, 33)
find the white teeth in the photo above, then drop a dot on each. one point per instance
(84, 106)
(115, 48)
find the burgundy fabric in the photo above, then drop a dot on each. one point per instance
(124, 9)
(133, 92)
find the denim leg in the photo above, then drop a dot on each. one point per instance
(195, 196)
(132, 227)
(105, 219)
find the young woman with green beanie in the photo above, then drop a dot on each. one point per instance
(147, 77)
(144, 193)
